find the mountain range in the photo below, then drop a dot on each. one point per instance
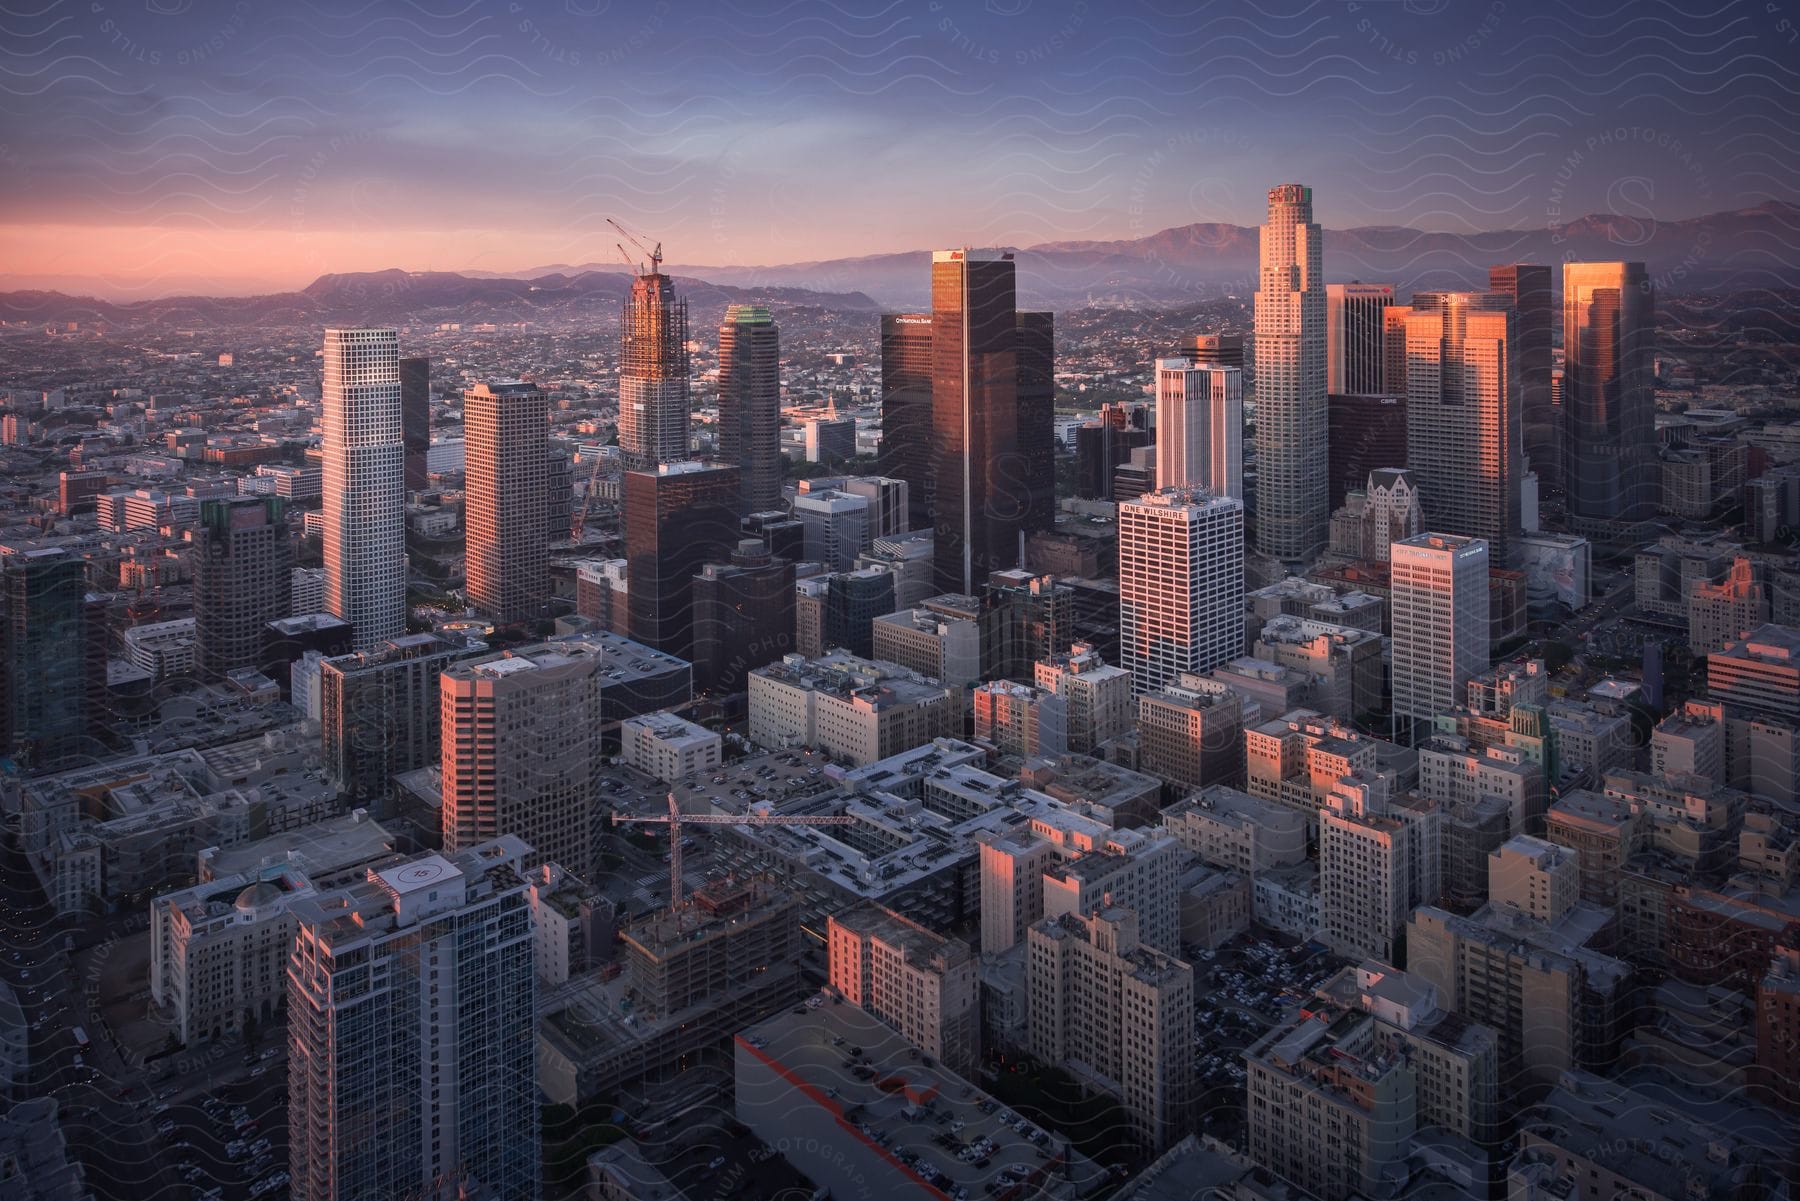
(1738, 249)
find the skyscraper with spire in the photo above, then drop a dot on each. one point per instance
(653, 373)
(750, 403)
(365, 483)
(1292, 495)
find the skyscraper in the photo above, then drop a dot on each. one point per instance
(520, 751)
(46, 644)
(1529, 288)
(1439, 611)
(1608, 396)
(750, 403)
(743, 617)
(1292, 498)
(906, 367)
(1356, 338)
(415, 420)
(365, 483)
(506, 425)
(678, 518)
(1037, 417)
(380, 715)
(1200, 427)
(1218, 350)
(653, 374)
(1181, 584)
(411, 1039)
(1368, 433)
(243, 562)
(1463, 434)
(989, 394)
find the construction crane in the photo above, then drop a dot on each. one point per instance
(675, 819)
(654, 254)
(578, 523)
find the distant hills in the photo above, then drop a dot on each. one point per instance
(1745, 248)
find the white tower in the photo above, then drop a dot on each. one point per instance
(365, 483)
(1440, 621)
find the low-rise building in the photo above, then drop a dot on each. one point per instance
(667, 746)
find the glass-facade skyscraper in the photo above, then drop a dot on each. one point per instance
(1608, 392)
(750, 403)
(654, 408)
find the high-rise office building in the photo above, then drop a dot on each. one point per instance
(678, 518)
(49, 652)
(506, 425)
(750, 403)
(520, 750)
(654, 408)
(743, 617)
(1439, 613)
(1218, 350)
(415, 420)
(1528, 286)
(1181, 584)
(412, 1055)
(1292, 497)
(365, 483)
(906, 368)
(1608, 393)
(990, 393)
(1463, 435)
(379, 715)
(1037, 417)
(1356, 337)
(1200, 427)
(1368, 433)
(243, 561)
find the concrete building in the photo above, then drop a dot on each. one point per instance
(1385, 510)
(520, 751)
(1231, 829)
(1591, 1138)
(1097, 697)
(1117, 1015)
(364, 483)
(1190, 733)
(1440, 622)
(922, 984)
(410, 1002)
(571, 924)
(1457, 773)
(860, 709)
(1139, 870)
(668, 747)
(1181, 584)
(1348, 664)
(1020, 719)
(1758, 672)
(162, 649)
(1719, 613)
(506, 500)
(1539, 879)
(1555, 1002)
(1377, 860)
(792, 1090)
(935, 643)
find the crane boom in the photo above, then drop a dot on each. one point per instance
(654, 254)
(675, 819)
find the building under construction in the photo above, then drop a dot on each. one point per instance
(728, 933)
(653, 373)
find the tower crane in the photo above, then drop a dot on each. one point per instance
(675, 819)
(654, 254)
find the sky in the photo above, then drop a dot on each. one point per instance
(235, 145)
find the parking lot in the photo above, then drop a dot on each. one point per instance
(229, 1142)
